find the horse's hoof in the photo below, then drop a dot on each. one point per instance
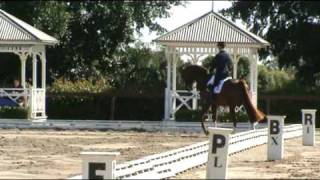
(206, 133)
(253, 125)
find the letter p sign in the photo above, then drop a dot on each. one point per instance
(218, 141)
(218, 153)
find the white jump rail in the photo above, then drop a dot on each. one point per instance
(169, 164)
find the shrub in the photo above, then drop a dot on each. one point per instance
(97, 106)
(91, 86)
(13, 112)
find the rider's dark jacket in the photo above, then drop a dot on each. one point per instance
(223, 65)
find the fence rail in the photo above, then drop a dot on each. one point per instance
(169, 164)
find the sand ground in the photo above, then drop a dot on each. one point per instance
(298, 162)
(43, 154)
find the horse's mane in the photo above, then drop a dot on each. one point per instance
(197, 69)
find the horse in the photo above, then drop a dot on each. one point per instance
(233, 93)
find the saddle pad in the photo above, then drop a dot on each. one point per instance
(218, 88)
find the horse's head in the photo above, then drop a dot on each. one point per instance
(194, 73)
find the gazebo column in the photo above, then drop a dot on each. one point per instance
(23, 60)
(43, 70)
(253, 77)
(235, 63)
(34, 70)
(174, 82)
(167, 109)
(194, 60)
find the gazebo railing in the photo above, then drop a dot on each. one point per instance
(184, 97)
(34, 98)
(38, 103)
(14, 94)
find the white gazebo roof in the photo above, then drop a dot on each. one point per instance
(16, 31)
(211, 28)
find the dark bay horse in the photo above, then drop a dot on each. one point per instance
(233, 93)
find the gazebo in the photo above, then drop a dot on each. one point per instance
(196, 40)
(24, 40)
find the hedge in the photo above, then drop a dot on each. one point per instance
(8, 112)
(98, 106)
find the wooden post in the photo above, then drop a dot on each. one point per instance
(309, 125)
(275, 137)
(112, 107)
(98, 165)
(217, 166)
(268, 105)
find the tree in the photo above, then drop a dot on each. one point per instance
(138, 68)
(292, 28)
(90, 32)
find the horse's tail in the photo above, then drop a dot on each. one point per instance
(254, 113)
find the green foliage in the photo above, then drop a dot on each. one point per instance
(90, 32)
(208, 63)
(79, 86)
(292, 28)
(138, 68)
(13, 112)
(273, 80)
(290, 108)
(188, 115)
(243, 68)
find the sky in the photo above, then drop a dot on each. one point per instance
(181, 15)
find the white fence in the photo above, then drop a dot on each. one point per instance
(169, 164)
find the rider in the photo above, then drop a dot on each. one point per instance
(222, 64)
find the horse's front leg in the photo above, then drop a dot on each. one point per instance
(233, 116)
(205, 110)
(214, 114)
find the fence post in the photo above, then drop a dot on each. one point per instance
(217, 166)
(308, 126)
(98, 165)
(275, 137)
(112, 107)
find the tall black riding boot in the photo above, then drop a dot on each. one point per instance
(213, 97)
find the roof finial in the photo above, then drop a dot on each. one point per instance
(212, 6)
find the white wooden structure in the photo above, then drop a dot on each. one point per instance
(170, 163)
(24, 40)
(198, 39)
